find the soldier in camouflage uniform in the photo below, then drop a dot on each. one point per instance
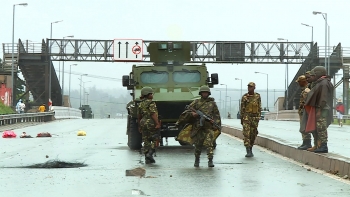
(303, 83)
(311, 78)
(148, 123)
(250, 116)
(318, 104)
(203, 136)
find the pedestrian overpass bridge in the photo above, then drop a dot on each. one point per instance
(35, 60)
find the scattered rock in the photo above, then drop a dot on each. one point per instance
(136, 172)
(345, 177)
(47, 156)
(307, 163)
(308, 169)
(335, 172)
(171, 175)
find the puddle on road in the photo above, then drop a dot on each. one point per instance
(54, 164)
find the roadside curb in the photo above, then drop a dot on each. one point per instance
(328, 162)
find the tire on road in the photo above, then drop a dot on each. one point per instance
(134, 136)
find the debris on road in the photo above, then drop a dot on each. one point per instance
(150, 177)
(55, 164)
(81, 133)
(9, 134)
(44, 134)
(24, 135)
(136, 172)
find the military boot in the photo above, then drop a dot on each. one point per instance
(249, 152)
(147, 161)
(149, 156)
(196, 162)
(210, 163)
(306, 145)
(322, 149)
(312, 149)
(316, 146)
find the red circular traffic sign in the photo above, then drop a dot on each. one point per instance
(136, 49)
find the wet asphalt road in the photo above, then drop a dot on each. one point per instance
(105, 151)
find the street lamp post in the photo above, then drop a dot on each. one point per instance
(84, 89)
(87, 98)
(225, 98)
(241, 85)
(312, 31)
(220, 99)
(267, 89)
(63, 71)
(326, 46)
(12, 58)
(81, 80)
(70, 73)
(50, 64)
(287, 73)
(230, 104)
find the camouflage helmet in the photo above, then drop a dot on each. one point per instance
(204, 89)
(320, 71)
(146, 90)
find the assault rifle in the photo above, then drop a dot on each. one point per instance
(203, 117)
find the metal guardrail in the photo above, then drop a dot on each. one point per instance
(26, 117)
(345, 117)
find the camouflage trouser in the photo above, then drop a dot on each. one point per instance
(148, 140)
(304, 135)
(321, 125)
(204, 138)
(250, 130)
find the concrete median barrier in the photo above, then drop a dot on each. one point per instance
(329, 162)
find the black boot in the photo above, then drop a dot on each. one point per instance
(196, 162)
(149, 156)
(210, 163)
(322, 149)
(249, 152)
(147, 161)
(306, 144)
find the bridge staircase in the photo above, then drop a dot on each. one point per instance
(33, 61)
(310, 62)
(294, 89)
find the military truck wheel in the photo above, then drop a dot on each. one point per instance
(134, 136)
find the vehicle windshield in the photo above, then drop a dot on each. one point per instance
(154, 77)
(186, 76)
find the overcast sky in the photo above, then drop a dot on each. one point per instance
(225, 20)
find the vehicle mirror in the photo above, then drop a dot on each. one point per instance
(214, 78)
(125, 80)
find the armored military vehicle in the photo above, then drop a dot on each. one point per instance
(175, 82)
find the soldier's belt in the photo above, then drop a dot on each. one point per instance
(252, 114)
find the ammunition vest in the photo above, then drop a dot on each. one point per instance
(252, 105)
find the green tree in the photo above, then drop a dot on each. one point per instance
(19, 91)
